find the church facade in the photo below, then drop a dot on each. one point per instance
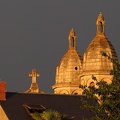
(73, 70)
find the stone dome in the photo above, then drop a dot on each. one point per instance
(93, 61)
(69, 68)
(71, 63)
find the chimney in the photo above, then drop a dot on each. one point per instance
(2, 90)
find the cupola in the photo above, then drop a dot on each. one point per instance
(69, 68)
(93, 62)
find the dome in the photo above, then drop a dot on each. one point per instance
(93, 61)
(71, 63)
(69, 68)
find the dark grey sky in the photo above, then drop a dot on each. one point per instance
(33, 34)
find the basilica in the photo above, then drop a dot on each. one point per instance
(72, 71)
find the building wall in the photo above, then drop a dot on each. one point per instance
(3, 116)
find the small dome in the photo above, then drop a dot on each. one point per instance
(93, 61)
(71, 63)
(69, 67)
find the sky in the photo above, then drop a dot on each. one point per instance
(34, 35)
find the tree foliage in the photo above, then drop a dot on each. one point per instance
(106, 95)
(50, 115)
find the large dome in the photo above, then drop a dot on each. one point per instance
(94, 62)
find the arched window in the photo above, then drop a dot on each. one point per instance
(101, 27)
(73, 42)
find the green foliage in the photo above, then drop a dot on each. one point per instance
(36, 116)
(50, 115)
(106, 95)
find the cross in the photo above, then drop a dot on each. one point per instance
(34, 74)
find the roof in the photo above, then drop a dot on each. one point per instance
(69, 104)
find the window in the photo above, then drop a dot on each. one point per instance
(101, 27)
(76, 68)
(72, 41)
(34, 108)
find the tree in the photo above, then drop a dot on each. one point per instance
(50, 115)
(106, 95)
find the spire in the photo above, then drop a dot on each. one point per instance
(72, 39)
(100, 23)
